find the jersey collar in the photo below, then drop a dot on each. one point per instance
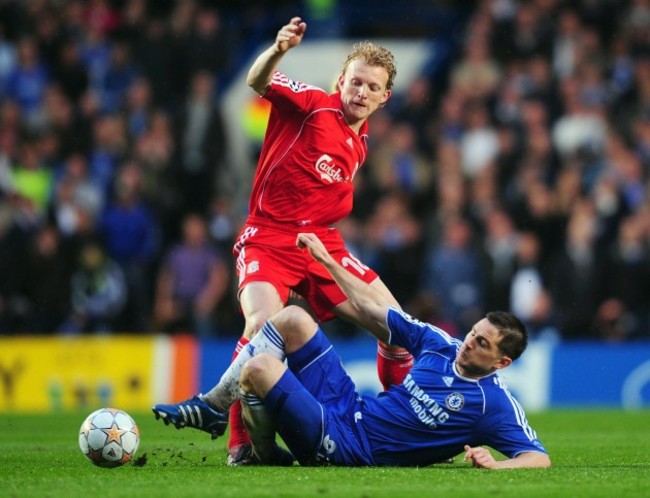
(469, 379)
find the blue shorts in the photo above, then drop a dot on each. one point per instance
(316, 408)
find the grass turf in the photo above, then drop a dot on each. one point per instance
(594, 453)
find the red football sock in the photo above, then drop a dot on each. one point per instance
(238, 433)
(392, 365)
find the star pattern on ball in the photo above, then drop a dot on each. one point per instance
(114, 433)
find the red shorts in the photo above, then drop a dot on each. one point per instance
(267, 252)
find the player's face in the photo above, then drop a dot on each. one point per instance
(363, 90)
(479, 354)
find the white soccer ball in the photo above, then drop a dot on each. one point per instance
(109, 437)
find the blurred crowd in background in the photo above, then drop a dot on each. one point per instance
(512, 174)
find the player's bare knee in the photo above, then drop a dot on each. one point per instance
(293, 323)
(253, 371)
(246, 383)
(254, 323)
(260, 373)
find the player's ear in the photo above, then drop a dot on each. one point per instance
(503, 362)
(340, 81)
(385, 98)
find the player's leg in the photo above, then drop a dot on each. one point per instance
(266, 268)
(203, 411)
(259, 301)
(260, 375)
(297, 399)
(287, 408)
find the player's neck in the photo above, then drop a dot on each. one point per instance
(470, 374)
(356, 126)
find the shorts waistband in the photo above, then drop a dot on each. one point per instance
(287, 226)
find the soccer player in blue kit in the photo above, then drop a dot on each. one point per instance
(451, 401)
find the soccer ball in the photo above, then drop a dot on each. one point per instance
(109, 437)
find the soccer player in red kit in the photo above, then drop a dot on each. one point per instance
(315, 142)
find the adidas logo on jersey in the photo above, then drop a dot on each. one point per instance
(448, 381)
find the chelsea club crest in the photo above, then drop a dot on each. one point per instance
(455, 401)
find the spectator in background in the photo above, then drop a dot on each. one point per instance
(7, 61)
(477, 75)
(453, 275)
(47, 281)
(155, 145)
(109, 146)
(206, 44)
(179, 31)
(69, 72)
(49, 35)
(98, 293)
(153, 53)
(480, 143)
(32, 181)
(191, 282)
(138, 107)
(624, 314)
(119, 75)
(576, 278)
(394, 236)
(518, 26)
(540, 215)
(133, 19)
(28, 81)
(130, 233)
(153, 151)
(76, 196)
(201, 145)
(100, 16)
(399, 166)
(500, 249)
(581, 128)
(61, 124)
(529, 296)
(14, 242)
(95, 52)
(566, 43)
(416, 108)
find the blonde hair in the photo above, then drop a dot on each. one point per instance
(373, 55)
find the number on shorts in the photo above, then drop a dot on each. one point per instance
(354, 263)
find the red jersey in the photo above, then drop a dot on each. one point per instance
(309, 157)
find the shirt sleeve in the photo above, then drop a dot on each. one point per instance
(416, 336)
(508, 431)
(294, 96)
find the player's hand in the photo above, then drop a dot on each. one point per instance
(290, 35)
(314, 245)
(479, 457)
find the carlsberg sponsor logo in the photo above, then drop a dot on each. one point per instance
(427, 410)
(327, 170)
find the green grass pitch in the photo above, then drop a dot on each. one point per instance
(595, 454)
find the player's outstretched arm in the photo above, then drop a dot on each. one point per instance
(371, 304)
(482, 458)
(261, 72)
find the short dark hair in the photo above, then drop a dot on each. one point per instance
(514, 336)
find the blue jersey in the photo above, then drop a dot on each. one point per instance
(436, 411)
